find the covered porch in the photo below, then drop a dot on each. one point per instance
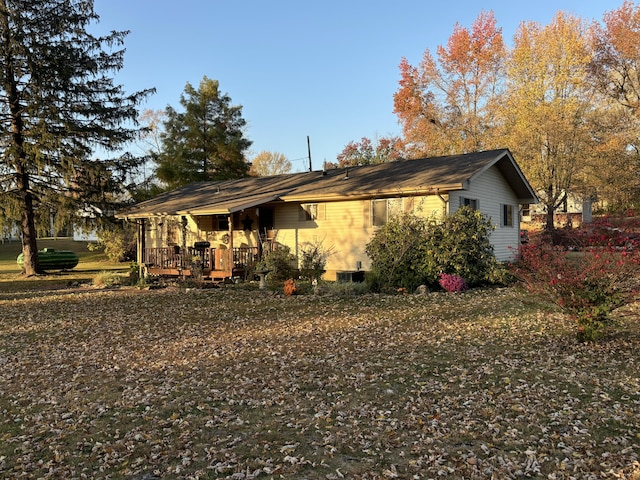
(210, 242)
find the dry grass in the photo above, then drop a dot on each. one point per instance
(224, 383)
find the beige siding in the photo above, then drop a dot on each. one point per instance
(492, 191)
(345, 229)
(342, 231)
(431, 206)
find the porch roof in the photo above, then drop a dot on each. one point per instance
(230, 206)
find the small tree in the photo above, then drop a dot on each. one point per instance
(313, 260)
(269, 163)
(118, 241)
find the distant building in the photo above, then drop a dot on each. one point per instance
(574, 211)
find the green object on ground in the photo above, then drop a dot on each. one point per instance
(52, 259)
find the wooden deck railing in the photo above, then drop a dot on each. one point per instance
(176, 258)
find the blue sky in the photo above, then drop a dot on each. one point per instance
(327, 70)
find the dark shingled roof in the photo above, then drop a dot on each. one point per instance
(400, 178)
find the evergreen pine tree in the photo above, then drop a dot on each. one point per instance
(58, 103)
(205, 141)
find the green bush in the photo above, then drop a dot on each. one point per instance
(397, 252)
(410, 251)
(281, 264)
(460, 245)
(119, 243)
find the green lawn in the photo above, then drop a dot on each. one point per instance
(91, 264)
(231, 383)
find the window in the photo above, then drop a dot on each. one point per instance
(472, 203)
(526, 210)
(223, 222)
(383, 210)
(311, 212)
(507, 215)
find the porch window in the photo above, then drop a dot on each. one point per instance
(383, 210)
(507, 215)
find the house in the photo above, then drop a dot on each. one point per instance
(221, 227)
(574, 210)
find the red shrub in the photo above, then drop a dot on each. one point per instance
(587, 284)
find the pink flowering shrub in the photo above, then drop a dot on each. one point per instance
(452, 283)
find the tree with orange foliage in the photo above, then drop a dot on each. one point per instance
(615, 72)
(365, 152)
(615, 68)
(446, 105)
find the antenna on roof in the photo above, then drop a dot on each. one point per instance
(309, 150)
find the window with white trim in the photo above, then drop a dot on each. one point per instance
(472, 203)
(312, 211)
(507, 215)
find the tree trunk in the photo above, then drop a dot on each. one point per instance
(549, 226)
(28, 228)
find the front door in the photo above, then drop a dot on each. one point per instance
(265, 221)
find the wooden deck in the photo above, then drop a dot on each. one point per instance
(215, 263)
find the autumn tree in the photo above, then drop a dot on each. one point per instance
(205, 141)
(445, 105)
(266, 164)
(615, 67)
(149, 144)
(367, 152)
(615, 71)
(58, 104)
(151, 137)
(549, 105)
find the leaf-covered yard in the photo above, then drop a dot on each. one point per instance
(222, 383)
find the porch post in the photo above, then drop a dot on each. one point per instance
(141, 246)
(231, 243)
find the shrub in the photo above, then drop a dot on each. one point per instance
(119, 243)
(397, 253)
(461, 245)
(281, 264)
(452, 283)
(290, 287)
(586, 285)
(409, 251)
(313, 260)
(107, 279)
